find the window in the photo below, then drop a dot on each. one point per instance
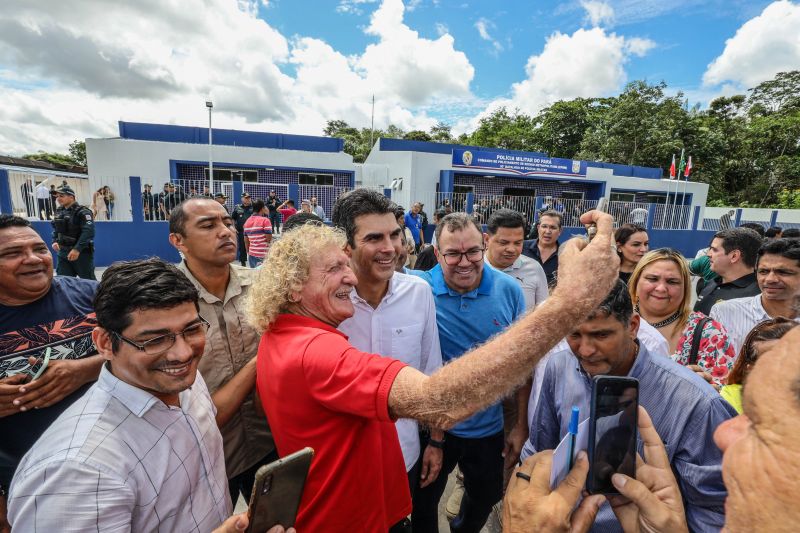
(656, 199)
(463, 189)
(307, 178)
(623, 197)
(228, 174)
(572, 195)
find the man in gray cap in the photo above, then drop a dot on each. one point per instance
(73, 236)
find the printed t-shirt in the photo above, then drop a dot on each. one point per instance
(319, 391)
(256, 230)
(62, 320)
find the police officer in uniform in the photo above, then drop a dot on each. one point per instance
(240, 215)
(73, 236)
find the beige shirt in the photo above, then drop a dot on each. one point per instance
(230, 343)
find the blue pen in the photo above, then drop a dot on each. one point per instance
(573, 433)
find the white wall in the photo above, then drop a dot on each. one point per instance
(150, 159)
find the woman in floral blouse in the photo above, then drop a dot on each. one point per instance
(660, 289)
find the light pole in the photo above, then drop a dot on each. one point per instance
(210, 106)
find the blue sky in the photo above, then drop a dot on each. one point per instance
(688, 34)
(73, 69)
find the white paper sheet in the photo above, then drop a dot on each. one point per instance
(561, 454)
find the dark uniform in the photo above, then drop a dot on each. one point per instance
(240, 215)
(73, 227)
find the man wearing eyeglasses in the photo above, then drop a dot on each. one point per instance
(140, 450)
(40, 316)
(474, 301)
(204, 233)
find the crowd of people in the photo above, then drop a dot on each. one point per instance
(147, 401)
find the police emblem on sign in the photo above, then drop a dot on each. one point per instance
(576, 167)
(466, 157)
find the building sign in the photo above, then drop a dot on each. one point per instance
(524, 165)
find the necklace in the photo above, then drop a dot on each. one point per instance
(666, 322)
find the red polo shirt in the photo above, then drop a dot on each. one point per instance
(319, 391)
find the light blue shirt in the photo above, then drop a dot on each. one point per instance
(685, 411)
(469, 319)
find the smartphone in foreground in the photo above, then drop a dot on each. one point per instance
(277, 491)
(612, 431)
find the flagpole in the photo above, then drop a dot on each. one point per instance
(685, 185)
(666, 202)
(675, 203)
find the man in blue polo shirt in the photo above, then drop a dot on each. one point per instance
(474, 301)
(413, 221)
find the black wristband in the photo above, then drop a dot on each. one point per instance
(436, 443)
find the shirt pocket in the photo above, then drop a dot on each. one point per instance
(407, 343)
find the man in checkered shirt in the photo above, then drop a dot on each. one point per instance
(141, 450)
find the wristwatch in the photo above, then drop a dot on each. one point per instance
(436, 443)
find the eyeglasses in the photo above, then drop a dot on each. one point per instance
(162, 343)
(473, 256)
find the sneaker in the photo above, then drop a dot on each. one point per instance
(453, 505)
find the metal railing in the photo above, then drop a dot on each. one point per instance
(629, 213)
(32, 194)
(110, 198)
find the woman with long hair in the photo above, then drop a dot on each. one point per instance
(660, 288)
(98, 207)
(759, 340)
(632, 244)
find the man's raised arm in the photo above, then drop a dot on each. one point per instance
(470, 383)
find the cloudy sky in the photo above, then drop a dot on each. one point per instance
(72, 69)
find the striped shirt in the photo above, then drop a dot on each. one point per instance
(119, 459)
(256, 230)
(739, 316)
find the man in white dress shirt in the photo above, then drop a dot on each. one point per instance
(395, 315)
(504, 240)
(778, 276)
(140, 451)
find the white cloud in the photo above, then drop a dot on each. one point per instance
(638, 46)
(588, 63)
(441, 29)
(353, 6)
(72, 70)
(409, 67)
(763, 46)
(597, 12)
(483, 25)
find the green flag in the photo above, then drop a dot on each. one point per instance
(682, 165)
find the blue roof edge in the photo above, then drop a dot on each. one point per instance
(253, 139)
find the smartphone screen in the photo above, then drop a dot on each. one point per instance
(612, 431)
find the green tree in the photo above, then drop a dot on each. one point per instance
(77, 150)
(52, 157)
(417, 135)
(560, 128)
(441, 133)
(500, 129)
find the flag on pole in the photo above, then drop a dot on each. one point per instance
(682, 166)
(672, 168)
(688, 169)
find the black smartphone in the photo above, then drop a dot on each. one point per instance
(277, 491)
(612, 431)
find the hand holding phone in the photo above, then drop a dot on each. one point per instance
(612, 431)
(277, 491)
